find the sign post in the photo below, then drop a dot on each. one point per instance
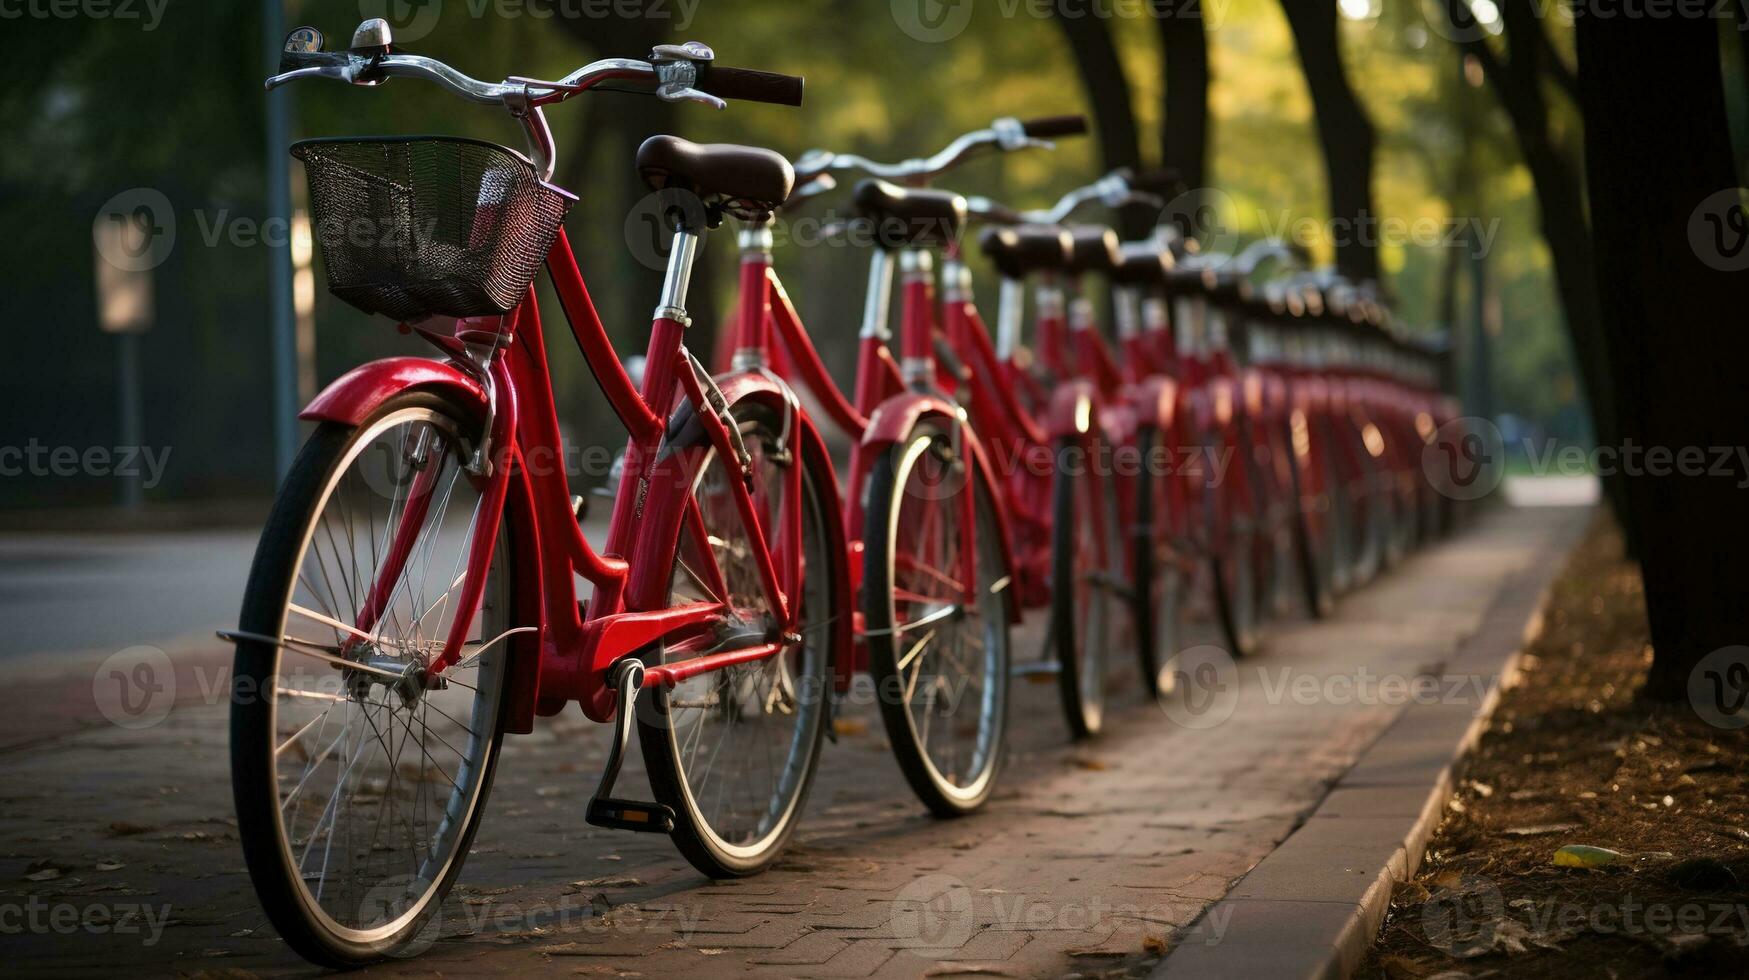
(123, 245)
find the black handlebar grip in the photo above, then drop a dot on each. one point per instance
(1162, 181)
(1052, 126)
(748, 85)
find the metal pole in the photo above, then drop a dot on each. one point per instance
(279, 288)
(133, 493)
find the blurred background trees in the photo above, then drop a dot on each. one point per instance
(1220, 92)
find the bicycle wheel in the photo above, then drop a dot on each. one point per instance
(1344, 510)
(733, 750)
(1314, 547)
(1233, 569)
(359, 779)
(1085, 563)
(1159, 576)
(940, 665)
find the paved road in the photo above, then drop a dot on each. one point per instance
(76, 593)
(1088, 861)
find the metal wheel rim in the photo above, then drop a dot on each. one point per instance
(488, 697)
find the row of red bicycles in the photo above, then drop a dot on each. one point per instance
(1148, 434)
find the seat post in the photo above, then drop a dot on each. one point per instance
(672, 304)
(1010, 310)
(671, 320)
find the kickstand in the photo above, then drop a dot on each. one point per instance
(627, 679)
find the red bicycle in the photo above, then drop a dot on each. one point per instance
(412, 598)
(1023, 463)
(936, 563)
(1132, 406)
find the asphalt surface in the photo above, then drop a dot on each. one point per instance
(118, 844)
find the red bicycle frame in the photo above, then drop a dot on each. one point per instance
(891, 398)
(569, 656)
(1024, 442)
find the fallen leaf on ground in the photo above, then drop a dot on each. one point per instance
(1586, 856)
(1535, 830)
(46, 869)
(849, 726)
(611, 881)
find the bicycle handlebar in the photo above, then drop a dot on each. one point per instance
(1005, 134)
(1114, 190)
(673, 72)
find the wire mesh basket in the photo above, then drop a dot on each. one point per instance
(420, 226)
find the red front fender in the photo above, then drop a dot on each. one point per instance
(356, 395)
(1155, 400)
(1071, 411)
(893, 421)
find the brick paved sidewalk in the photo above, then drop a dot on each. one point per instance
(1089, 860)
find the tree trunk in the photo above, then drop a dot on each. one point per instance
(1345, 134)
(1667, 224)
(1518, 84)
(1108, 93)
(1184, 51)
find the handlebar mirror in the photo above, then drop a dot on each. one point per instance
(303, 40)
(372, 37)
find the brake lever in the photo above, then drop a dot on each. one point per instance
(677, 72)
(689, 94)
(344, 73)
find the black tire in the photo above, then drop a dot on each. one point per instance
(700, 836)
(1082, 603)
(297, 914)
(1233, 569)
(946, 794)
(1158, 597)
(1343, 510)
(1313, 552)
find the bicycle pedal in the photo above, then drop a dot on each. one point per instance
(648, 818)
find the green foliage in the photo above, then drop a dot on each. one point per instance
(93, 107)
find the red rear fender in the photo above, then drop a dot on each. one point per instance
(357, 394)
